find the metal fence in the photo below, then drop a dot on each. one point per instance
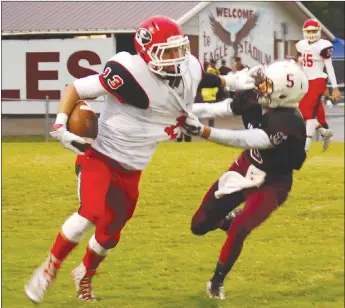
(19, 118)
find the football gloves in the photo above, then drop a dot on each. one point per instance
(192, 126)
(242, 80)
(66, 138)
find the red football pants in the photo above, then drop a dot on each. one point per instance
(311, 105)
(108, 195)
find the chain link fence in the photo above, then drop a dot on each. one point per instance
(34, 118)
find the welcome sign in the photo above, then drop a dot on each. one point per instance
(237, 29)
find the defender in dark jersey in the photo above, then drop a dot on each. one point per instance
(262, 175)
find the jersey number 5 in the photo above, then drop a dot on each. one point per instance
(290, 82)
(307, 59)
(114, 81)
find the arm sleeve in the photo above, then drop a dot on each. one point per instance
(118, 81)
(89, 87)
(246, 139)
(330, 72)
(210, 81)
(210, 110)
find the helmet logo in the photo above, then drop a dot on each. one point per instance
(143, 36)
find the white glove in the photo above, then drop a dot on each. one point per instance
(192, 126)
(242, 80)
(65, 137)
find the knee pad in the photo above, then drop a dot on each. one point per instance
(97, 247)
(198, 228)
(75, 227)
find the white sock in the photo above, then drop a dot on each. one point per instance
(307, 144)
(311, 126)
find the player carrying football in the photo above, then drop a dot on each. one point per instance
(315, 55)
(262, 175)
(146, 97)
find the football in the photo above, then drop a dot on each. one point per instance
(83, 122)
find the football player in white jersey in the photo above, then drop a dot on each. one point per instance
(315, 55)
(147, 97)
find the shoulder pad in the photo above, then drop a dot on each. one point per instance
(120, 79)
(324, 44)
(299, 45)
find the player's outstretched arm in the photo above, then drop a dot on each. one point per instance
(246, 139)
(238, 81)
(210, 110)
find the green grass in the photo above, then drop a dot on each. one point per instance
(295, 259)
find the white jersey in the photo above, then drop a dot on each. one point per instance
(130, 132)
(313, 57)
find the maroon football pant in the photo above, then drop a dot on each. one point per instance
(259, 204)
(108, 194)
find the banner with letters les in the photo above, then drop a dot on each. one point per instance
(32, 69)
(241, 29)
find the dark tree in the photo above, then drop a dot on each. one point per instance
(330, 13)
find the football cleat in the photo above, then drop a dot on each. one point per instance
(41, 279)
(82, 280)
(327, 137)
(215, 290)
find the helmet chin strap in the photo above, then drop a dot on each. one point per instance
(160, 70)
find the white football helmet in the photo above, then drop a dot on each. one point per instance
(281, 84)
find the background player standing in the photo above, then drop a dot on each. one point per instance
(315, 55)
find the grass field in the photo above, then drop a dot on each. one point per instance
(295, 259)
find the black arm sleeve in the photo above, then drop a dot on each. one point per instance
(210, 81)
(326, 53)
(118, 81)
(243, 100)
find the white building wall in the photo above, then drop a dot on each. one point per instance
(282, 11)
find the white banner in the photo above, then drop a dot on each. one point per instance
(236, 29)
(33, 69)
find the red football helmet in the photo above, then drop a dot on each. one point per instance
(311, 30)
(154, 36)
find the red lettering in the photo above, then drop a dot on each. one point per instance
(234, 13)
(219, 11)
(34, 75)
(8, 94)
(78, 71)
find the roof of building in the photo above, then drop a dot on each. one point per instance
(48, 17)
